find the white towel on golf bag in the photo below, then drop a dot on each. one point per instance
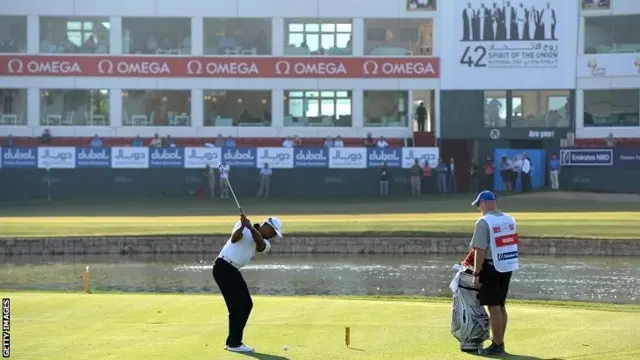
(469, 320)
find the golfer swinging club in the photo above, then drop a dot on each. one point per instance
(245, 241)
(495, 248)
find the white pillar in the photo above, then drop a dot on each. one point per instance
(33, 107)
(357, 104)
(33, 34)
(197, 36)
(115, 35)
(115, 108)
(358, 36)
(409, 110)
(197, 108)
(278, 37)
(277, 108)
(436, 123)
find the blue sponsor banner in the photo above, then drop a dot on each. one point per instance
(20, 157)
(311, 157)
(378, 156)
(240, 157)
(166, 157)
(586, 157)
(91, 157)
(627, 158)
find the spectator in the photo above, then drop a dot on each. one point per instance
(137, 141)
(210, 175)
(219, 141)
(156, 142)
(46, 137)
(452, 183)
(516, 168)
(225, 173)
(427, 179)
(505, 173)
(368, 141)
(230, 142)
(288, 142)
(488, 169)
(328, 142)
(442, 170)
(473, 176)
(168, 142)
(554, 172)
(421, 116)
(96, 142)
(384, 180)
(297, 141)
(339, 143)
(10, 141)
(526, 173)
(416, 178)
(610, 140)
(265, 181)
(382, 143)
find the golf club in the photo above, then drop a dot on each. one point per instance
(220, 167)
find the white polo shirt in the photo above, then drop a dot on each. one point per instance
(239, 254)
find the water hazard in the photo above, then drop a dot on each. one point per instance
(598, 279)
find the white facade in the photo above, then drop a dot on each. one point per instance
(608, 60)
(277, 13)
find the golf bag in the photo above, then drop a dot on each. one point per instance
(469, 321)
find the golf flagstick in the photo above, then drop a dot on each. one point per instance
(226, 177)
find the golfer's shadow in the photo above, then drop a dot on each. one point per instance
(262, 356)
(513, 357)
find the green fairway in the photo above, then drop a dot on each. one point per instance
(56, 326)
(437, 216)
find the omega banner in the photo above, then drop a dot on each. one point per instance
(220, 67)
(502, 44)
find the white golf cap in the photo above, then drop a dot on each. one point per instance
(276, 224)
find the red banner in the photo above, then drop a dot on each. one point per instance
(220, 67)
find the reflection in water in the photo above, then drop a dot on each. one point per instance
(568, 278)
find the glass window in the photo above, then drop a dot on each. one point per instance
(317, 108)
(612, 34)
(13, 107)
(13, 34)
(595, 4)
(80, 35)
(156, 107)
(495, 109)
(86, 107)
(546, 108)
(237, 36)
(237, 108)
(390, 37)
(386, 108)
(421, 5)
(164, 36)
(611, 107)
(310, 37)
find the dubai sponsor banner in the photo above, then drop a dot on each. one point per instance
(166, 157)
(377, 156)
(221, 67)
(348, 158)
(276, 157)
(586, 157)
(311, 157)
(423, 154)
(200, 157)
(240, 157)
(129, 157)
(523, 44)
(627, 158)
(56, 157)
(90, 157)
(19, 157)
(609, 65)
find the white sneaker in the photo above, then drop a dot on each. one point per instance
(241, 348)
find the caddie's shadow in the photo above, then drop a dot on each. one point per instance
(262, 356)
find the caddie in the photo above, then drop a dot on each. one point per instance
(495, 249)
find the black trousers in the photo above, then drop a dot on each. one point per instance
(421, 123)
(236, 295)
(526, 182)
